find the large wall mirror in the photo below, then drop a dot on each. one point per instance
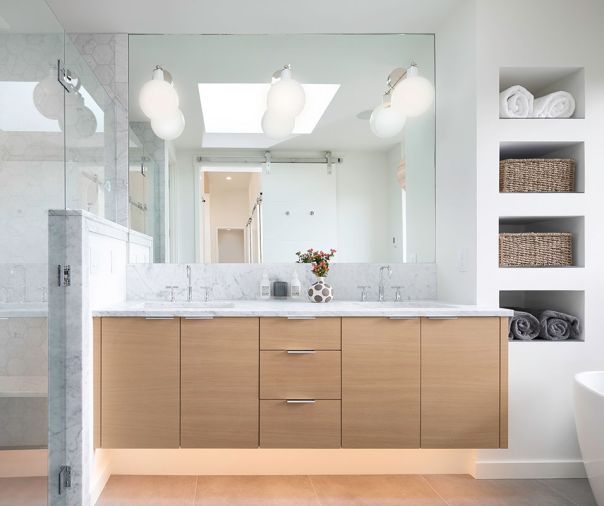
(260, 171)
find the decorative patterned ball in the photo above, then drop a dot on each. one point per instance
(320, 291)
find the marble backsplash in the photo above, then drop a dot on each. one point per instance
(241, 281)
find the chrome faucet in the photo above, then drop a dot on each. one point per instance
(190, 285)
(381, 287)
(172, 289)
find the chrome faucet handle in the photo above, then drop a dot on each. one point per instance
(397, 293)
(364, 289)
(172, 289)
(206, 292)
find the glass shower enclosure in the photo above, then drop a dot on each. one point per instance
(57, 151)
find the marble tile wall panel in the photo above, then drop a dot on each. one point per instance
(241, 281)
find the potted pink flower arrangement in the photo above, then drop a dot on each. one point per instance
(319, 291)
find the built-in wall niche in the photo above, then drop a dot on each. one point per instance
(572, 224)
(571, 302)
(545, 149)
(541, 81)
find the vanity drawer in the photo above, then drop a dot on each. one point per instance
(302, 334)
(300, 374)
(312, 424)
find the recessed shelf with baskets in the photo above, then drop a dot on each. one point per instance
(544, 241)
(541, 167)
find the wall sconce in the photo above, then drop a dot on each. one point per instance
(407, 94)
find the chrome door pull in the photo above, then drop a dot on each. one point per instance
(159, 318)
(301, 317)
(300, 352)
(442, 317)
(300, 401)
(403, 317)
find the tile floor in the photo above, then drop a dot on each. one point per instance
(387, 490)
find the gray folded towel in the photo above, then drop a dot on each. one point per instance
(556, 326)
(524, 326)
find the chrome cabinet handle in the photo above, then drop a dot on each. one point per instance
(442, 317)
(300, 352)
(159, 318)
(403, 317)
(199, 317)
(301, 318)
(300, 401)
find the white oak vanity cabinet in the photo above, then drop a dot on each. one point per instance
(351, 382)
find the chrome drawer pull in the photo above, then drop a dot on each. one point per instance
(301, 317)
(300, 352)
(442, 317)
(159, 318)
(199, 317)
(403, 317)
(300, 401)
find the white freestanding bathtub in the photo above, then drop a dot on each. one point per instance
(589, 416)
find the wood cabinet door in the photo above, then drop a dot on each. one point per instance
(140, 383)
(219, 381)
(460, 383)
(380, 383)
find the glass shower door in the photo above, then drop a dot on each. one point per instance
(32, 175)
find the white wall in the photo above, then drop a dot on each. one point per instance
(542, 33)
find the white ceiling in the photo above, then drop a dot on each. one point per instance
(248, 16)
(360, 63)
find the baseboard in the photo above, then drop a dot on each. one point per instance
(101, 474)
(529, 469)
(23, 463)
(288, 462)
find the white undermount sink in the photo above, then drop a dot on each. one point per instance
(211, 304)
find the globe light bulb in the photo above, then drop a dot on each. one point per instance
(276, 126)
(79, 121)
(158, 98)
(286, 96)
(386, 122)
(169, 128)
(413, 95)
(48, 96)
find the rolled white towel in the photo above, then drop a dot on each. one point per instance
(516, 102)
(559, 104)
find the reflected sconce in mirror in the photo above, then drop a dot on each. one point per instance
(285, 100)
(407, 95)
(159, 101)
(49, 99)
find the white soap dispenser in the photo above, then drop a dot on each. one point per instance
(295, 286)
(265, 287)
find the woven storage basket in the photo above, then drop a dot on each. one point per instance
(536, 175)
(535, 249)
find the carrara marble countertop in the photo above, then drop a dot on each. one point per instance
(299, 309)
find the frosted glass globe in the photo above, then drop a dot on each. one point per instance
(158, 99)
(169, 128)
(48, 96)
(413, 95)
(286, 96)
(386, 122)
(79, 121)
(276, 126)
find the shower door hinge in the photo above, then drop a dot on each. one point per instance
(64, 478)
(64, 275)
